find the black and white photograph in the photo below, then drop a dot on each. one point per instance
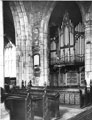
(45, 60)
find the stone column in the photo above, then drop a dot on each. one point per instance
(1, 48)
(44, 76)
(23, 36)
(45, 57)
(4, 115)
(88, 49)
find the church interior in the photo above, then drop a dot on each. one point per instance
(46, 60)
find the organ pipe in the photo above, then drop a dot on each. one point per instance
(71, 42)
(66, 35)
(80, 42)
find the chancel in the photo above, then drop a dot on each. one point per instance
(67, 53)
(46, 60)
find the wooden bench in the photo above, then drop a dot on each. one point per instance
(28, 104)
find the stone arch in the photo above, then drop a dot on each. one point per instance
(44, 37)
(43, 43)
(23, 43)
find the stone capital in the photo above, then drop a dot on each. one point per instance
(88, 23)
(88, 19)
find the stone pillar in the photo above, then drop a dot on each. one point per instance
(45, 57)
(1, 48)
(44, 76)
(41, 82)
(4, 115)
(88, 49)
(23, 36)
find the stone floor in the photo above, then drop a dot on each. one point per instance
(4, 114)
(66, 112)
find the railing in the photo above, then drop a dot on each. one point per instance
(68, 60)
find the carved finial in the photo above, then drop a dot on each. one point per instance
(22, 84)
(45, 86)
(66, 16)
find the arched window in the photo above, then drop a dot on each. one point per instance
(10, 60)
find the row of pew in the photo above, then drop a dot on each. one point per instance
(32, 104)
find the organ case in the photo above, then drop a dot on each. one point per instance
(68, 51)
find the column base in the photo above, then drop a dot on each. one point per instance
(4, 114)
(88, 89)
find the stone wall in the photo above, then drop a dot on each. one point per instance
(23, 38)
(38, 19)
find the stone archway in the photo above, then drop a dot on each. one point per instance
(23, 43)
(44, 43)
(44, 38)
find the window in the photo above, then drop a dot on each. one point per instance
(10, 60)
(36, 60)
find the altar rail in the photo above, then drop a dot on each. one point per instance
(77, 59)
(73, 95)
(68, 95)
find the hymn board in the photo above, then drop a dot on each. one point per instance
(68, 51)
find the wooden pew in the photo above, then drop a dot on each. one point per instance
(19, 106)
(27, 104)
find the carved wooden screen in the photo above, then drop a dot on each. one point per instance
(72, 78)
(45, 107)
(61, 79)
(82, 78)
(28, 108)
(54, 78)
